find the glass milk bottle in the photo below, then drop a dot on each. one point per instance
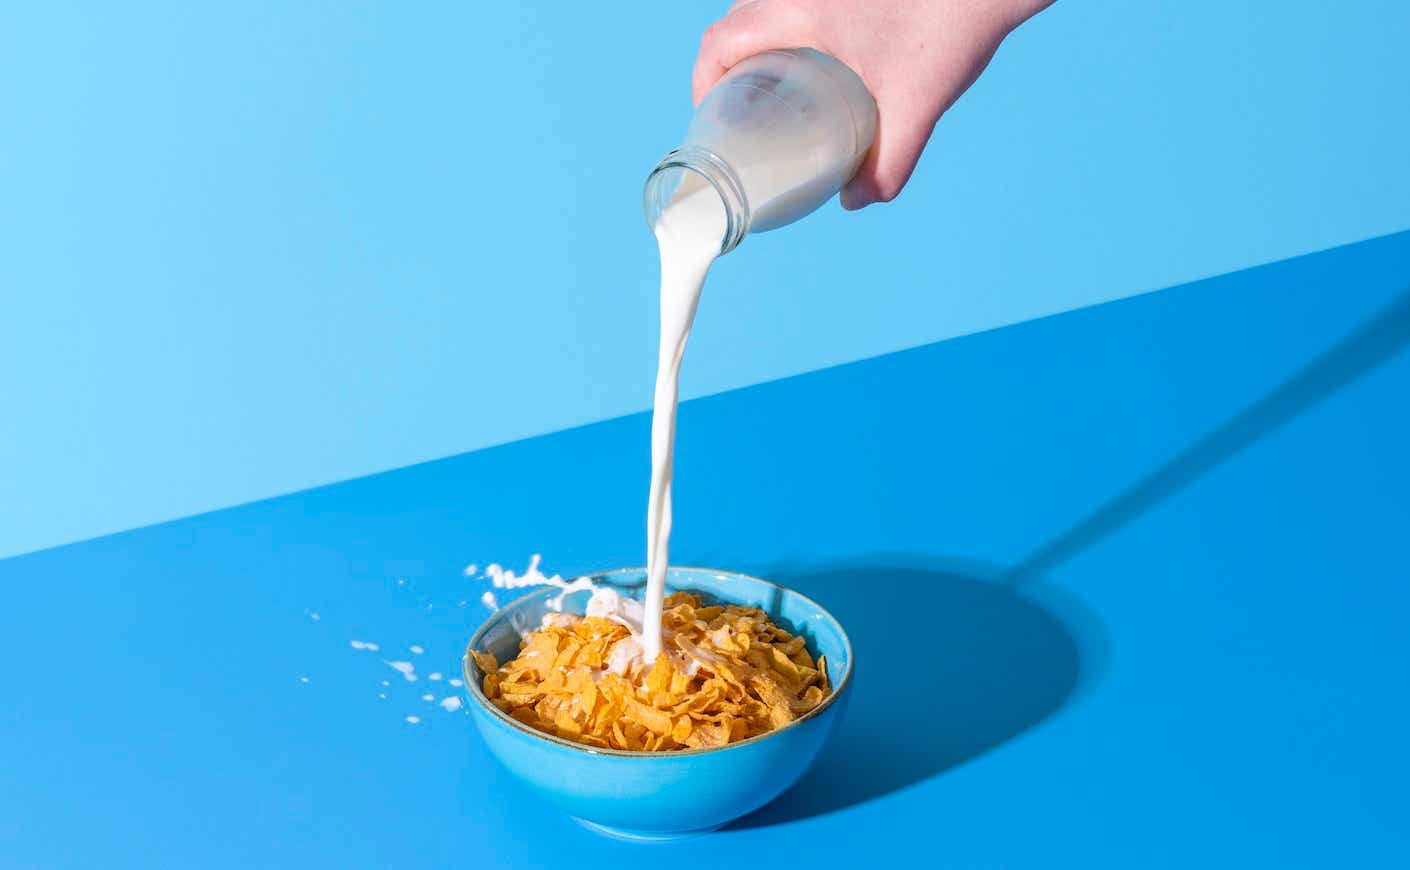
(777, 137)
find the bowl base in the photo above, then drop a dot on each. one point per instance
(645, 836)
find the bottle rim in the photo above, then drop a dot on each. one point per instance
(717, 173)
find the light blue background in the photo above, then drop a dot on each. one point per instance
(251, 249)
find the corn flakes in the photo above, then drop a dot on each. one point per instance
(726, 674)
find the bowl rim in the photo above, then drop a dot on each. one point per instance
(476, 691)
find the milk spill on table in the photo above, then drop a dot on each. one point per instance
(688, 235)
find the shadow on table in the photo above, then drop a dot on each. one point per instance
(988, 664)
(1379, 338)
(1010, 649)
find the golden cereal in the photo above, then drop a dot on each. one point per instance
(727, 674)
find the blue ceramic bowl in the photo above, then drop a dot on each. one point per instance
(664, 795)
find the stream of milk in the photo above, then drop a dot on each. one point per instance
(688, 235)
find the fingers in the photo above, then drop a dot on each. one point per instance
(916, 65)
(748, 29)
(900, 139)
(754, 26)
(908, 107)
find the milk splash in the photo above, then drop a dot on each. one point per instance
(503, 578)
(627, 656)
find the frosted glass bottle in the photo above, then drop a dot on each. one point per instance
(777, 137)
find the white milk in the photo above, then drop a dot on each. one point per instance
(775, 138)
(688, 234)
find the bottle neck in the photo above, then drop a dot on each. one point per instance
(687, 169)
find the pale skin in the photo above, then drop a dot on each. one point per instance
(916, 56)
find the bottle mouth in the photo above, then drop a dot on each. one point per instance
(687, 167)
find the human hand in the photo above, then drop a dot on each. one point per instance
(916, 56)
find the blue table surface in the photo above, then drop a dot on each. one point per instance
(1127, 587)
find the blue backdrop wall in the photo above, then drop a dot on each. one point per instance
(248, 250)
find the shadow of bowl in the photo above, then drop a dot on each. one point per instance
(948, 667)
